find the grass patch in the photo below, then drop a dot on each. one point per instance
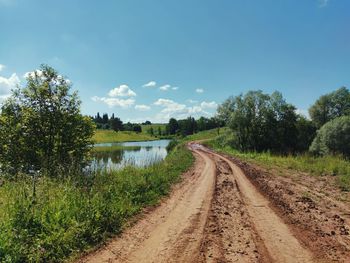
(68, 216)
(206, 135)
(154, 126)
(102, 136)
(318, 166)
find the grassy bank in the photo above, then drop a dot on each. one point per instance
(102, 136)
(68, 216)
(317, 166)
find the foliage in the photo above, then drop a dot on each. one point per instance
(263, 122)
(333, 138)
(330, 106)
(173, 126)
(41, 127)
(71, 215)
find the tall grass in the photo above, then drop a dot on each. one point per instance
(68, 216)
(318, 166)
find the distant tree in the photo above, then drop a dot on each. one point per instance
(105, 118)
(159, 131)
(116, 124)
(41, 127)
(333, 138)
(150, 131)
(330, 106)
(137, 128)
(173, 126)
(98, 118)
(147, 123)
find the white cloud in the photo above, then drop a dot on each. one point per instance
(192, 101)
(175, 88)
(2, 67)
(165, 87)
(172, 109)
(115, 102)
(150, 84)
(142, 107)
(7, 84)
(121, 91)
(323, 3)
(199, 90)
(209, 105)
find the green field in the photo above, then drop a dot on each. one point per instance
(102, 136)
(68, 216)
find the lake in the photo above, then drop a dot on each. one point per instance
(118, 155)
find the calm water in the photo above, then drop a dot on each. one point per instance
(119, 155)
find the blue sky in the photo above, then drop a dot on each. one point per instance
(192, 53)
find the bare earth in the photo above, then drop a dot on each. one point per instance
(225, 210)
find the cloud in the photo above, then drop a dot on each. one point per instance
(192, 101)
(199, 90)
(142, 107)
(172, 109)
(7, 84)
(209, 105)
(2, 67)
(323, 3)
(121, 91)
(115, 102)
(175, 88)
(165, 87)
(150, 84)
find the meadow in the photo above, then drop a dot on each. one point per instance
(102, 136)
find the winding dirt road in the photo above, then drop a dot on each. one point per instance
(216, 214)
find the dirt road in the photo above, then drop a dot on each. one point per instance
(216, 214)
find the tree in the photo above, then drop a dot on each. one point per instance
(172, 126)
(330, 106)
(150, 131)
(41, 127)
(116, 124)
(333, 138)
(159, 131)
(137, 128)
(261, 122)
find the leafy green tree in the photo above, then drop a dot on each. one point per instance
(173, 126)
(261, 122)
(41, 127)
(333, 138)
(115, 123)
(330, 106)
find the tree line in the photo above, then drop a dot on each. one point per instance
(266, 122)
(190, 125)
(115, 123)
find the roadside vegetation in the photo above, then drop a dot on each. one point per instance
(51, 207)
(267, 130)
(66, 217)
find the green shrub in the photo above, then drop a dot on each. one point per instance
(333, 138)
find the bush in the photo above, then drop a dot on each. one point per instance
(333, 138)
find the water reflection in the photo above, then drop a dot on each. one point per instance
(119, 155)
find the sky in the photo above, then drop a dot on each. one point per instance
(156, 59)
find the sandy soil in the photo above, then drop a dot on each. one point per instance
(225, 210)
